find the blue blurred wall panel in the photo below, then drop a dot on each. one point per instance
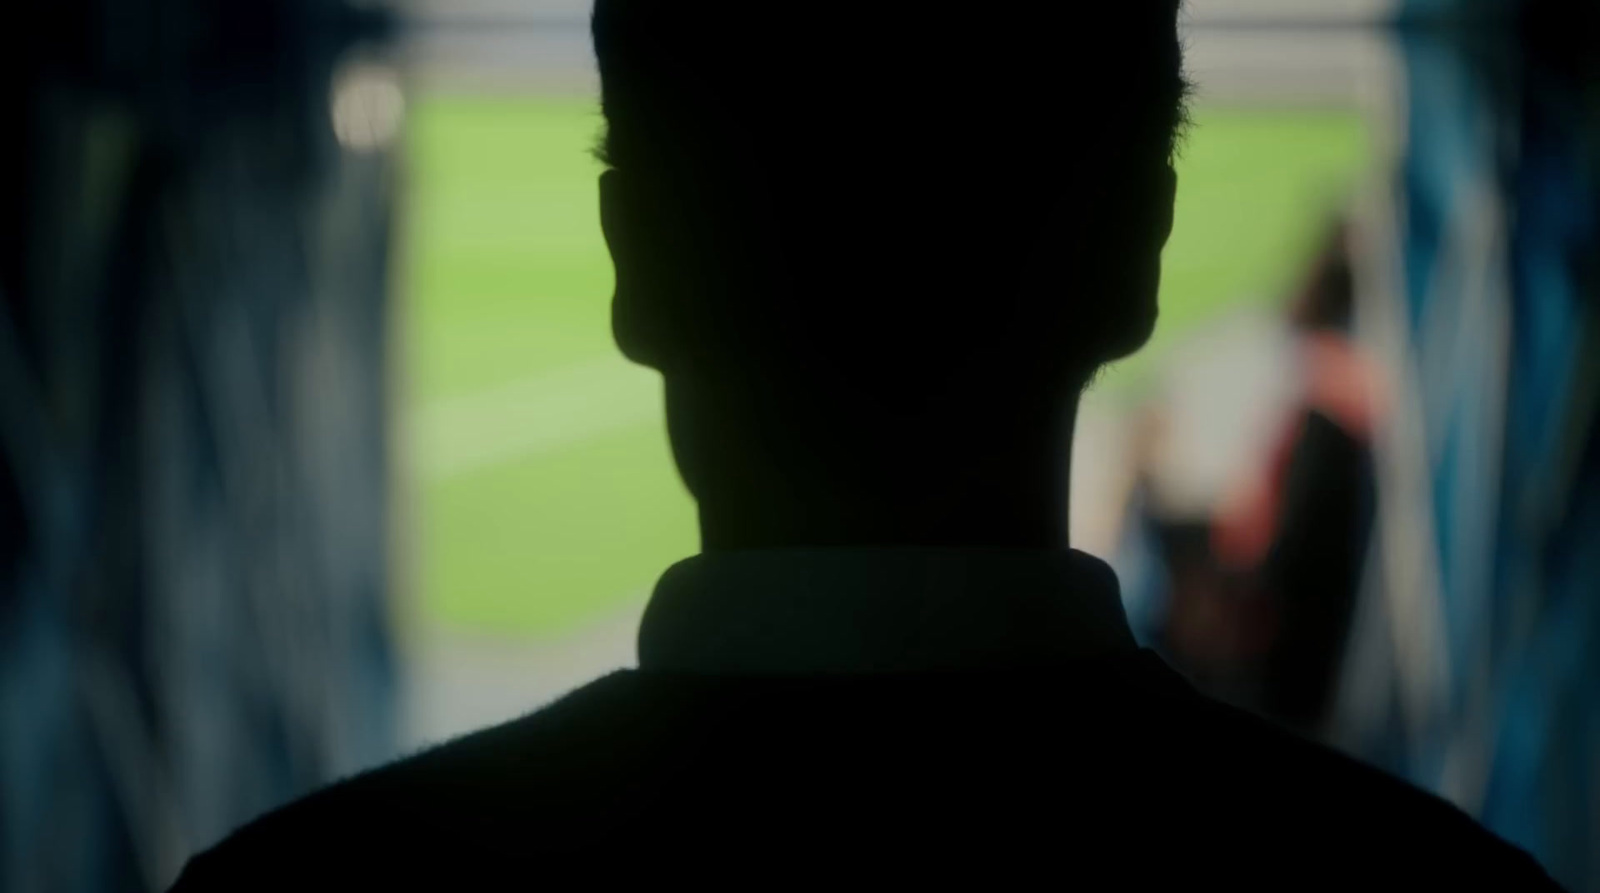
(193, 355)
(1500, 200)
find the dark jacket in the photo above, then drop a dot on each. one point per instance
(1110, 774)
(1097, 767)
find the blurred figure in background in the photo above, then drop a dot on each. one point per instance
(1252, 596)
(1293, 539)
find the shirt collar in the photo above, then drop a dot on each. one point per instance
(829, 611)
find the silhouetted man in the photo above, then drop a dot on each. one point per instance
(876, 251)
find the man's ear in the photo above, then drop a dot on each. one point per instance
(632, 325)
(1137, 231)
(1168, 202)
(612, 216)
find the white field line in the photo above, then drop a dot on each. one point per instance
(532, 416)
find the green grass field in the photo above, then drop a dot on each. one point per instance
(545, 491)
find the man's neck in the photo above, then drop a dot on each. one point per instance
(1013, 494)
(977, 525)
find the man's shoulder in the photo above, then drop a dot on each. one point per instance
(538, 772)
(1184, 767)
(1314, 801)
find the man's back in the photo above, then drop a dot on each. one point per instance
(1104, 770)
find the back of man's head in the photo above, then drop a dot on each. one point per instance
(892, 206)
(894, 184)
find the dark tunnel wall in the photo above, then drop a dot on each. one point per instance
(193, 409)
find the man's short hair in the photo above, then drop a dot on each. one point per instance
(849, 160)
